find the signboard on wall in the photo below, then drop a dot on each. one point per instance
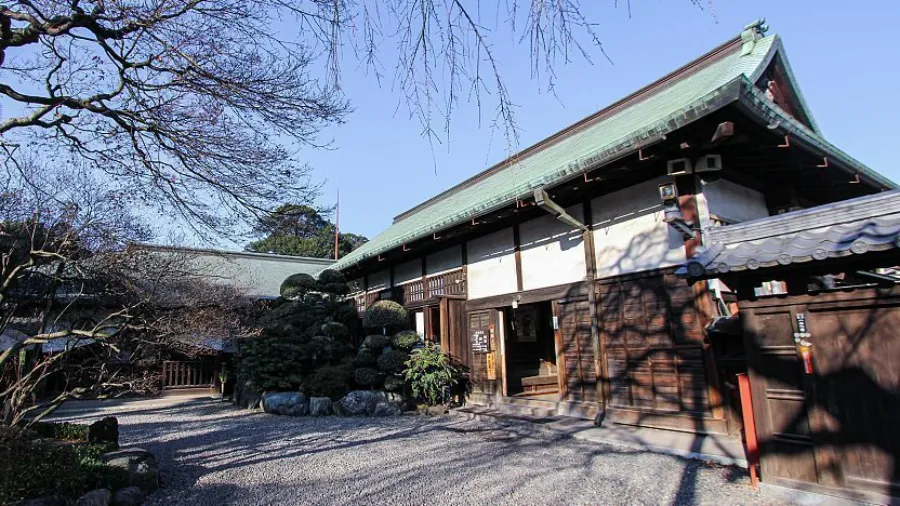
(491, 367)
(481, 342)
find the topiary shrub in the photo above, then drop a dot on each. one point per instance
(368, 377)
(332, 282)
(330, 380)
(297, 285)
(432, 375)
(393, 361)
(394, 383)
(366, 357)
(386, 315)
(406, 340)
(376, 342)
(335, 330)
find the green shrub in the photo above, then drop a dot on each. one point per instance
(332, 282)
(297, 285)
(331, 276)
(368, 377)
(366, 357)
(394, 383)
(11, 432)
(36, 468)
(432, 375)
(376, 342)
(406, 340)
(386, 314)
(336, 330)
(61, 431)
(393, 361)
(330, 380)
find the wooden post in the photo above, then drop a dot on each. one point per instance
(518, 254)
(749, 428)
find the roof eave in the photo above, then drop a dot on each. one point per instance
(703, 106)
(770, 114)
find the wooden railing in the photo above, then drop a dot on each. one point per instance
(448, 283)
(187, 374)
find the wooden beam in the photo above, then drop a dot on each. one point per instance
(518, 249)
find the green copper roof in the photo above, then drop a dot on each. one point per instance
(674, 101)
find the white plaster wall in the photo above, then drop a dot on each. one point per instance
(734, 203)
(630, 234)
(552, 252)
(407, 271)
(492, 265)
(379, 280)
(443, 260)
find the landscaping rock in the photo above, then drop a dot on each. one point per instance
(319, 406)
(245, 396)
(286, 403)
(386, 408)
(99, 497)
(140, 464)
(128, 496)
(359, 402)
(105, 430)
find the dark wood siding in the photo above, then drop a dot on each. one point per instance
(652, 334)
(834, 425)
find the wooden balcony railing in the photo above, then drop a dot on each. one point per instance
(419, 290)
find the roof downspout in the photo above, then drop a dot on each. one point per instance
(544, 202)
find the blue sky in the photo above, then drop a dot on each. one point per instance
(844, 55)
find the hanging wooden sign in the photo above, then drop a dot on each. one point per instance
(481, 343)
(491, 367)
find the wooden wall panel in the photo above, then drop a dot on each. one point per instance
(574, 320)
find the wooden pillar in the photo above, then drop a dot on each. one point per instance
(590, 262)
(517, 243)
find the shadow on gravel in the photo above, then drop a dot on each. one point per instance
(378, 458)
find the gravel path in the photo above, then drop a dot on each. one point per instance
(212, 454)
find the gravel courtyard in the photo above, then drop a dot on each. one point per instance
(212, 454)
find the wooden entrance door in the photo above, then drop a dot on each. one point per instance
(831, 421)
(575, 351)
(483, 341)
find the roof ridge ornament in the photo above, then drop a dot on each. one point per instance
(752, 33)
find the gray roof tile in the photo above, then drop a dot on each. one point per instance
(852, 227)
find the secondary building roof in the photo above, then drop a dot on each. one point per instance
(258, 275)
(725, 75)
(852, 227)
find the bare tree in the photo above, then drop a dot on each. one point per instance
(199, 105)
(80, 298)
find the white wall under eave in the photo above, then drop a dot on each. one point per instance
(492, 265)
(552, 252)
(443, 260)
(408, 271)
(630, 234)
(734, 203)
(380, 280)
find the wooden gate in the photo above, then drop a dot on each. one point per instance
(652, 336)
(483, 342)
(829, 419)
(188, 374)
(575, 351)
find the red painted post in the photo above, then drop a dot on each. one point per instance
(749, 429)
